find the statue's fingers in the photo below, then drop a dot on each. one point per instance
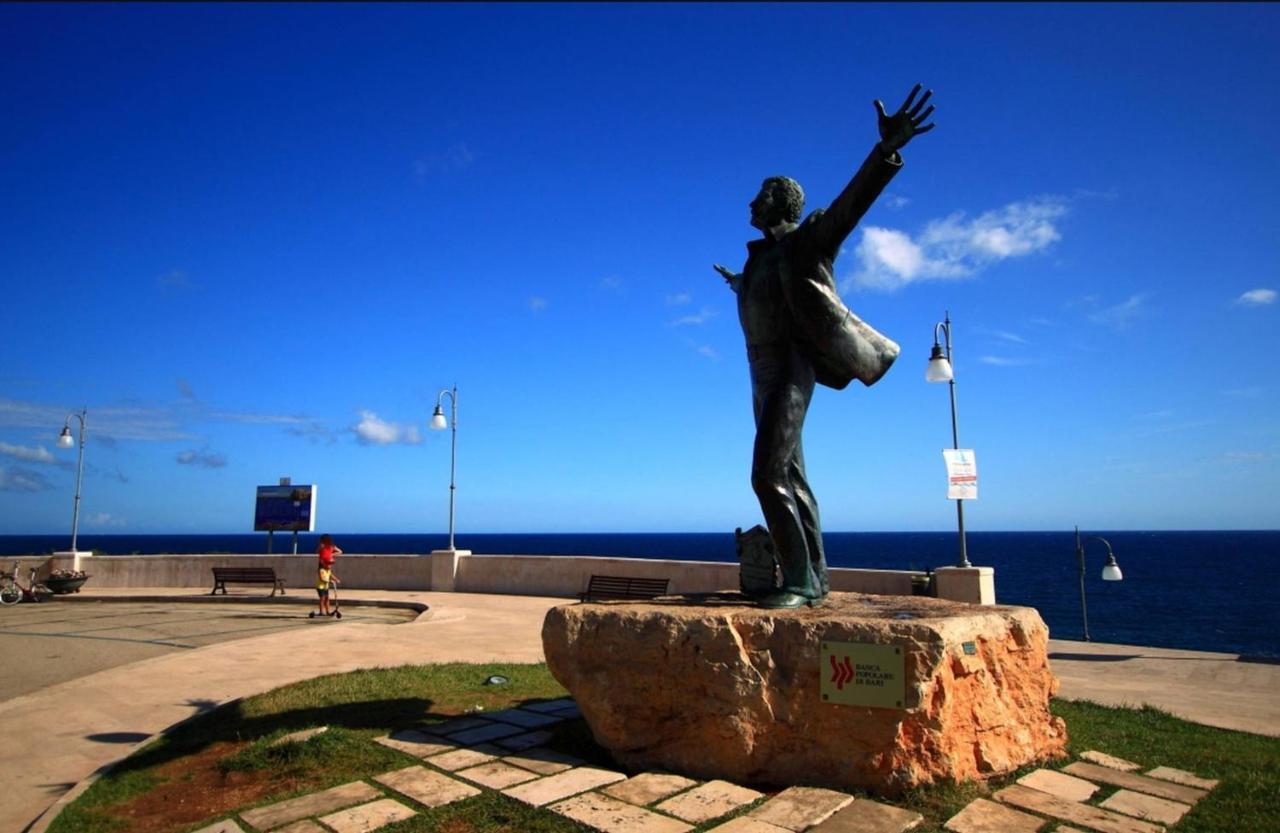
(911, 97)
(924, 129)
(921, 103)
(917, 119)
(880, 108)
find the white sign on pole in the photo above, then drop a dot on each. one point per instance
(962, 473)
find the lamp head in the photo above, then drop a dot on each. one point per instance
(438, 422)
(1111, 570)
(64, 439)
(939, 368)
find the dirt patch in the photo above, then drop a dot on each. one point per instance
(194, 789)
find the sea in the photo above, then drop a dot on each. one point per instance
(1197, 590)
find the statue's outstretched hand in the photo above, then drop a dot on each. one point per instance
(730, 277)
(897, 130)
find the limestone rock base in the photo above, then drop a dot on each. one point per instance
(710, 687)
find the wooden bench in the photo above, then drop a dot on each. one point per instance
(246, 575)
(600, 588)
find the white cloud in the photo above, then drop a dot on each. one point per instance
(1257, 298)
(1002, 361)
(679, 299)
(894, 201)
(203, 458)
(956, 247)
(1122, 314)
(371, 430)
(695, 319)
(36, 454)
(537, 304)
(105, 519)
(23, 480)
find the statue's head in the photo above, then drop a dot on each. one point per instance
(781, 200)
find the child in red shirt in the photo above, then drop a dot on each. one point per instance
(327, 552)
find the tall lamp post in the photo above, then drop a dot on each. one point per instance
(939, 370)
(65, 440)
(439, 423)
(1110, 572)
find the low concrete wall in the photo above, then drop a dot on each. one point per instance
(518, 575)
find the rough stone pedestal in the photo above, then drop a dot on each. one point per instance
(709, 687)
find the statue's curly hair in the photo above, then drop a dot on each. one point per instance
(787, 195)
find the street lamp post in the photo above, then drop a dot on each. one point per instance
(939, 369)
(438, 423)
(1110, 572)
(65, 440)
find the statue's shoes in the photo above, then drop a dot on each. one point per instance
(785, 600)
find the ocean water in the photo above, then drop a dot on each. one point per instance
(1211, 591)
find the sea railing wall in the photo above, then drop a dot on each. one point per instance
(522, 575)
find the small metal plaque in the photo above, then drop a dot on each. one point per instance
(969, 649)
(862, 674)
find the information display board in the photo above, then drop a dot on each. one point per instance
(862, 674)
(285, 509)
(962, 473)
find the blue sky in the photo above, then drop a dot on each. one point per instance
(256, 241)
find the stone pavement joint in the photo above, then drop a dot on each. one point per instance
(1066, 787)
(1146, 807)
(519, 743)
(335, 798)
(480, 734)
(648, 787)
(1094, 818)
(544, 761)
(866, 816)
(460, 759)
(1103, 759)
(982, 816)
(425, 786)
(799, 808)
(1181, 776)
(712, 800)
(600, 812)
(1138, 783)
(562, 785)
(746, 824)
(413, 742)
(368, 817)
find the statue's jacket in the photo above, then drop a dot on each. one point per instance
(840, 345)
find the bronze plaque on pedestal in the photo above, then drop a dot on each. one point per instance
(861, 674)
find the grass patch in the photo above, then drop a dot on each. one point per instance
(227, 757)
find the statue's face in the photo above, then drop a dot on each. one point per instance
(765, 213)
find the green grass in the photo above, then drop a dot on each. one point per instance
(362, 705)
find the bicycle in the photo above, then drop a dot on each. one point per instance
(12, 591)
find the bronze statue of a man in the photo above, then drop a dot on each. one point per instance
(798, 332)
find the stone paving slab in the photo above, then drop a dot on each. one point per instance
(544, 761)
(711, 800)
(224, 826)
(982, 816)
(1103, 759)
(1094, 818)
(496, 775)
(799, 808)
(1137, 783)
(481, 734)
(609, 815)
(335, 798)
(746, 824)
(551, 705)
(866, 816)
(299, 737)
(519, 743)
(1146, 807)
(562, 785)
(418, 744)
(1066, 787)
(368, 817)
(460, 759)
(1181, 776)
(648, 787)
(527, 719)
(455, 724)
(425, 786)
(304, 826)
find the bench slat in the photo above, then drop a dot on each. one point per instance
(624, 587)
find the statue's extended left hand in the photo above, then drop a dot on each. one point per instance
(897, 130)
